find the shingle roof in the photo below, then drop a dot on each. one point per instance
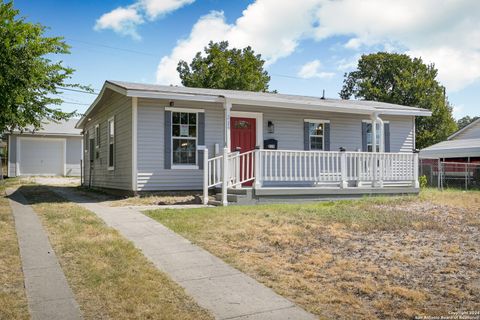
(265, 96)
(453, 149)
(52, 128)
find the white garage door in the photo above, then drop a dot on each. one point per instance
(41, 156)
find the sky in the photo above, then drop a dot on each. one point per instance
(308, 45)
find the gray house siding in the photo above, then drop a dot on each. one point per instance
(470, 133)
(119, 107)
(150, 145)
(346, 131)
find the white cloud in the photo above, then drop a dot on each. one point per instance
(458, 111)
(273, 28)
(156, 8)
(312, 70)
(124, 20)
(444, 32)
(121, 20)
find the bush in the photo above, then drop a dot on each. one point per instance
(423, 182)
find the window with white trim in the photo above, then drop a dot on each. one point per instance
(97, 136)
(184, 138)
(370, 136)
(111, 143)
(315, 135)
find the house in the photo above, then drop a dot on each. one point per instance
(461, 147)
(142, 137)
(53, 150)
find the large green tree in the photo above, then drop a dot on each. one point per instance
(400, 79)
(29, 80)
(224, 68)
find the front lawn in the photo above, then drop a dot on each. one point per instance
(110, 278)
(371, 258)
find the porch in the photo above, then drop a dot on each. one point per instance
(308, 174)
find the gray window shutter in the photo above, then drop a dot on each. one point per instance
(201, 138)
(306, 136)
(386, 127)
(326, 136)
(364, 137)
(168, 140)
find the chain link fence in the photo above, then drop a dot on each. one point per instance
(442, 174)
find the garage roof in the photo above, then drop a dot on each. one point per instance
(61, 128)
(452, 149)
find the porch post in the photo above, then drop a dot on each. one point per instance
(416, 183)
(225, 177)
(258, 170)
(374, 149)
(343, 167)
(205, 175)
(228, 107)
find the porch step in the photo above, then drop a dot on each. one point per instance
(233, 198)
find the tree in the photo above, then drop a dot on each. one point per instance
(29, 81)
(465, 121)
(397, 78)
(224, 68)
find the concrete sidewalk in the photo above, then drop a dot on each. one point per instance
(48, 294)
(216, 286)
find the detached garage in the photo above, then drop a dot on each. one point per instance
(55, 150)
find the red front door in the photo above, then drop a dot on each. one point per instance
(243, 138)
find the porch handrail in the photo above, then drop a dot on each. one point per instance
(334, 168)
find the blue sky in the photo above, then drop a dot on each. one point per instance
(308, 44)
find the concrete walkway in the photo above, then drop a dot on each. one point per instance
(48, 294)
(216, 286)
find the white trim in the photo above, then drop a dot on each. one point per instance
(134, 143)
(97, 138)
(316, 121)
(19, 139)
(111, 119)
(370, 121)
(17, 164)
(464, 128)
(183, 166)
(258, 116)
(186, 110)
(9, 173)
(174, 96)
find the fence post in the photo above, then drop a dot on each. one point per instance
(258, 164)
(225, 177)
(416, 183)
(438, 173)
(343, 168)
(466, 176)
(205, 175)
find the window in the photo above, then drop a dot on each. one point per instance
(369, 137)
(315, 132)
(184, 138)
(111, 144)
(97, 136)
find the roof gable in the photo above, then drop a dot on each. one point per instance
(471, 131)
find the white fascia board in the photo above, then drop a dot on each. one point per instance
(174, 96)
(425, 113)
(106, 85)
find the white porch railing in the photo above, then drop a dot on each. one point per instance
(317, 168)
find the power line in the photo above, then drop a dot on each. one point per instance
(115, 48)
(77, 103)
(78, 90)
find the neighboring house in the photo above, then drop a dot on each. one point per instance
(462, 146)
(53, 150)
(141, 137)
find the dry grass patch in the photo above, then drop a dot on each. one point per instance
(13, 301)
(111, 279)
(373, 258)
